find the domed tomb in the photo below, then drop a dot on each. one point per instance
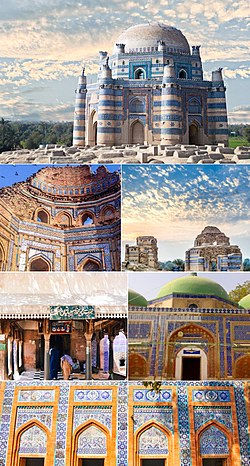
(192, 292)
(145, 38)
(136, 299)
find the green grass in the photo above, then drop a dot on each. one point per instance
(235, 141)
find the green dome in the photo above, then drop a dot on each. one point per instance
(245, 302)
(193, 285)
(136, 299)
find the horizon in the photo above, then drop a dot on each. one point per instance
(43, 49)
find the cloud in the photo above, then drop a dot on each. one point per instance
(240, 114)
(173, 207)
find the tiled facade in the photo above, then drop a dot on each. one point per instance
(123, 423)
(152, 90)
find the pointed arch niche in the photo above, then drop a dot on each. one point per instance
(153, 446)
(91, 446)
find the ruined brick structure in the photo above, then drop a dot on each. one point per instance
(60, 219)
(212, 251)
(144, 254)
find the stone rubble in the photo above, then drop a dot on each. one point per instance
(129, 154)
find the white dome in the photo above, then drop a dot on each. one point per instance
(145, 36)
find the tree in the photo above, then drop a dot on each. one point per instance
(180, 264)
(6, 135)
(246, 265)
(240, 291)
(246, 133)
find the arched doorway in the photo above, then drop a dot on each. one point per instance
(214, 445)
(92, 129)
(30, 445)
(91, 265)
(42, 216)
(137, 133)
(194, 134)
(138, 366)
(39, 264)
(91, 446)
(191, 364)
(153, 446)
(242, 367)
(200, 344)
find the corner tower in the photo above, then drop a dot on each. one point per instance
(79, 115)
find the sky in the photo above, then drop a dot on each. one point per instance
(44, 45)
(149, 284)
(174, 203)
(10, 174)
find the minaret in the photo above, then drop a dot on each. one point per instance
(106, 107)
(171, 119)
(217, 110)
(79, 115)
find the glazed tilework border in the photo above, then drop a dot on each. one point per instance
(6, 420)
(122, 414)
(62, 418)
(242, 423)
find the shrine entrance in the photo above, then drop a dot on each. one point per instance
(62, 343)
(191, 368)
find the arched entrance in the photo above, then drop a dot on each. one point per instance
(91, 265)
(242, 367)
(191, 364)
(91, 446)
(30, 445)
(39, 264)
(137, 133)
(200, 344)
(92, 129)
(153, 446)
(138, 366)
(194, 134)
(214, 445)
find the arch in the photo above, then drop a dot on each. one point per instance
(194, 133)
(39, 264)
(152, 441)
(138, 366)
(90, 264)
(175, 344)
(42, 216)
(31, 431)
(87, 218)
(64, 219)
(120, 353)
(194, 106)
(242, 367)
(137, 132)
(137, 105)
(197, 356)
(213, 441)
(182, 74)
(90, 428)
(92, 128)
(139, 73)
(107, 214)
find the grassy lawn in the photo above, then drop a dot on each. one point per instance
(235, 141)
